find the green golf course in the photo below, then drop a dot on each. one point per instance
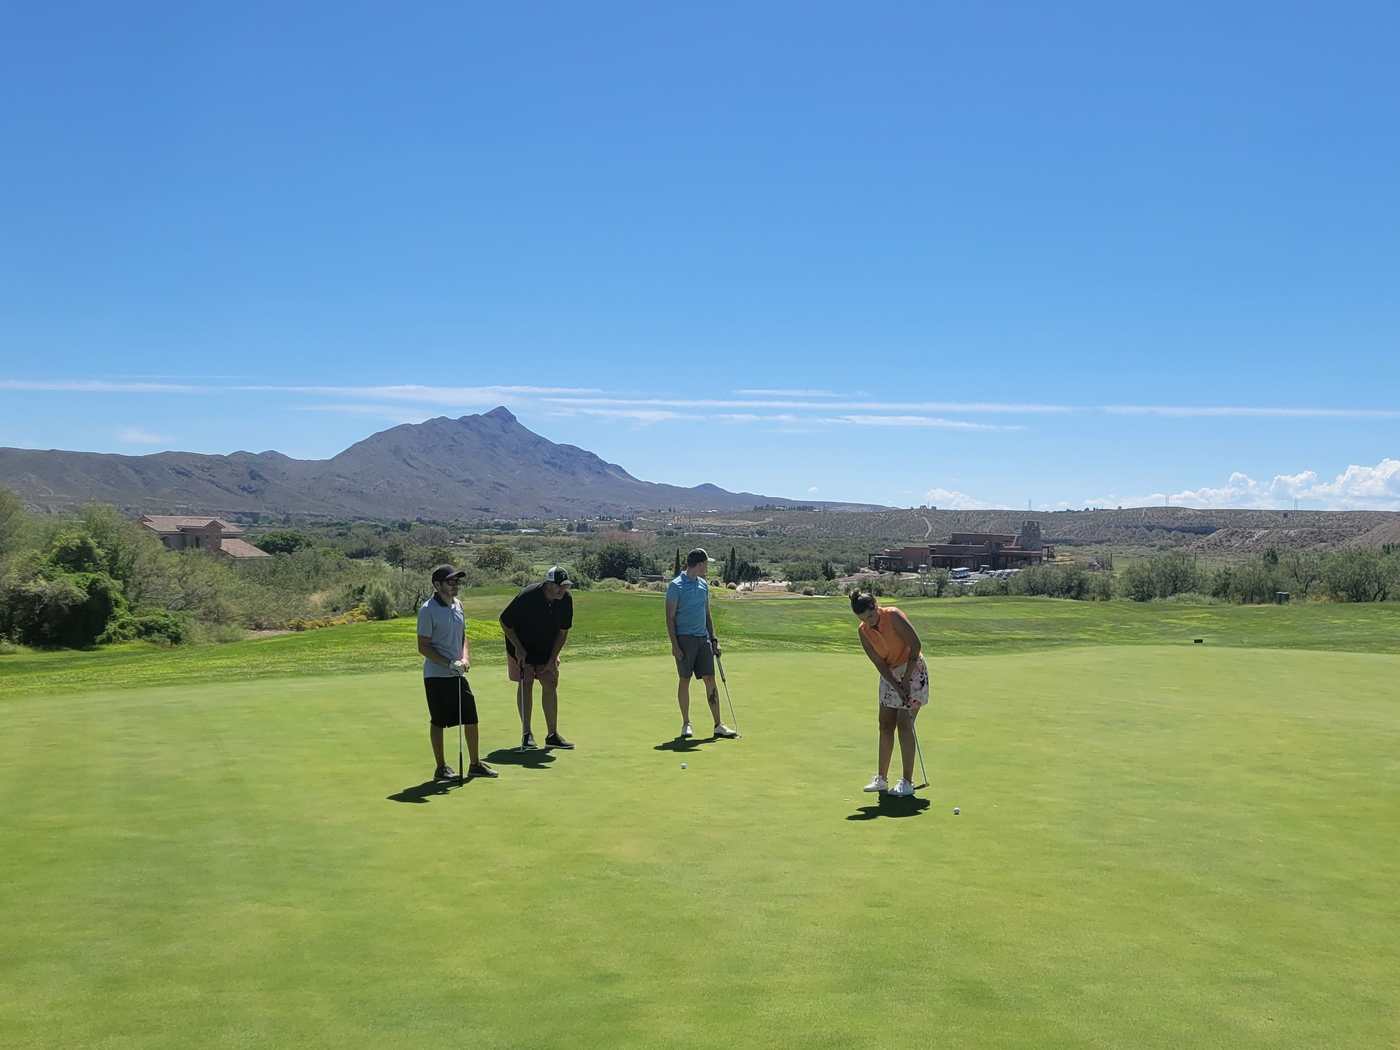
(1160, 843)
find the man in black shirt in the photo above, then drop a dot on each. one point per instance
(536, 625)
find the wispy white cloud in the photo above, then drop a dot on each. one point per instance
(917, 422)
(1250, 411)
(951, 499)
(1356, 488)
(393, 413)
(141, 436)
(700, 404)
(103, 386)
(784, 392)
(812, 490)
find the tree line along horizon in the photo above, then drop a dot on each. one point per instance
(96, 577)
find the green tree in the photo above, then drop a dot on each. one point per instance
(283, 541)
(677, 570)
(75, 551)
(12, 521)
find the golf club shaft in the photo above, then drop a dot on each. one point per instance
(725, 681)
(919, 750)
(461, 730)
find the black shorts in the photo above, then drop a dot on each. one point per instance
(697, 657)
(442, 701)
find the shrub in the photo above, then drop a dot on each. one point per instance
(1356, 576)
(161, 627)
(68, 610)
(379, 602)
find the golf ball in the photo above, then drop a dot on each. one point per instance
(683, 765)
(956, 811)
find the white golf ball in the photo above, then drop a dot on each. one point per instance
(683, 765)
(956, 811)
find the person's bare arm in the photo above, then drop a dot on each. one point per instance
(710, 630)
(910, 637)
(671, 629)
(426, 650)
(561, 640)
(879, 663)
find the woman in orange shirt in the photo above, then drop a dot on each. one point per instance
(894, 648)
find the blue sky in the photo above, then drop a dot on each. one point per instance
(917, 253)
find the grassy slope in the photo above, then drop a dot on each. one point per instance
(1159, 847)
(631, 624)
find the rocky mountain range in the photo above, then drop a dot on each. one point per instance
(476, 466)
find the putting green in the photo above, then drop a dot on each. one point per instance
(1158, 847)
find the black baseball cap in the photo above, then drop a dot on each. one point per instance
(696, 556)
(556, 574)
(447, 572)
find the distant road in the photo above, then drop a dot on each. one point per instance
(928, 530)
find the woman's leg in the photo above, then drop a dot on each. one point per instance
(906, 741)
(887, 723)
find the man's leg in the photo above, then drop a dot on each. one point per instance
(435, 735)
(549, 700)
(888, 716)
(683, 697)
(525, 698)
(712, 697)
(906, 741)
(472, 738)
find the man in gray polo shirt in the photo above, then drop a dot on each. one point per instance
(442, 641)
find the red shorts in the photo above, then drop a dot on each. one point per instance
(546, 674)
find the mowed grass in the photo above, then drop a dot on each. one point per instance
(1158, 847)
(611, 624)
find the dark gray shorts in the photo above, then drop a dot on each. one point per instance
(697, 657)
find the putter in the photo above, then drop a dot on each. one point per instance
(461, 732)
(732, 716)
(920, 751)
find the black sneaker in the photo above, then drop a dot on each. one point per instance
(527, 741)
(555, 740)
(481, 769)
(444, 773)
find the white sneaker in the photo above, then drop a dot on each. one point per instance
(687, 731)
(724, 732)
(878, 784)
(902, 789)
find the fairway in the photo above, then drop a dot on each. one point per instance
(1157, 847)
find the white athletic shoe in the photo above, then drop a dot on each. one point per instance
(687, 731)
(724, 732)
(902, 789)
(878, 784)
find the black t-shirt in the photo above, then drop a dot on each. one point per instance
(537, 621)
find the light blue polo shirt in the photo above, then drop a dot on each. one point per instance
(446, 625)
(692, 597)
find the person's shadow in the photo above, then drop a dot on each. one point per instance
(684, 744)
(534, 758)
(421, 793)
(891, 806)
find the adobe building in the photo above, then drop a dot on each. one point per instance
(214, 535)
(969, 550)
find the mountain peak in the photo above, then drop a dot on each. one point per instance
(500, 412)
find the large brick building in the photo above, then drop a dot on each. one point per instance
(214, 535)
(969, 550)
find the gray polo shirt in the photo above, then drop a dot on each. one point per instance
(446, 625)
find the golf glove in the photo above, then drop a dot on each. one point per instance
(459, 666)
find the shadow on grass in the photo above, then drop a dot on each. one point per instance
(891, 806)
(421, 793)
(535, 758)
(683, 745)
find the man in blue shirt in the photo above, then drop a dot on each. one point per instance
(693, 641)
